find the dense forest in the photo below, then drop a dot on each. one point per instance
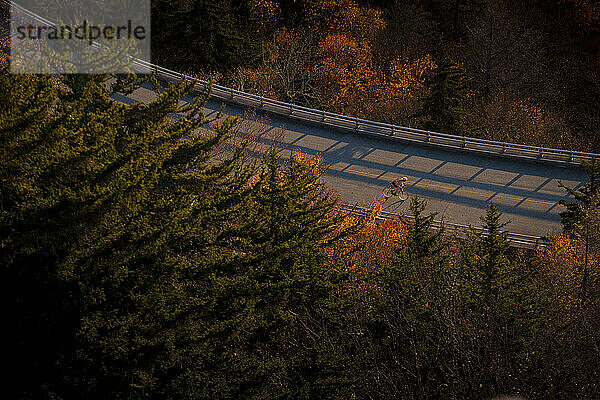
(147, 257)
(520, 71)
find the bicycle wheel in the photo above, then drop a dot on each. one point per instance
(387, 192)
(403, 195)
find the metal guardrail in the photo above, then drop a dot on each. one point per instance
(377, 129)
(362, 126)
(516, 239)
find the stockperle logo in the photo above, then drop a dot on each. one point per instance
(75, 37)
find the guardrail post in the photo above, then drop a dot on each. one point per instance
(393, 131)
(571, 157)
(428, 136)
(356, 127)
(464, 142)
(231, 93)
(541, 153)
(322, 115)
(291, 109)
(503, 147)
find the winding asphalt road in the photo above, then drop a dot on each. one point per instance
(458, 185)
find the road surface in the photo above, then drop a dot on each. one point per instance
(457, 184)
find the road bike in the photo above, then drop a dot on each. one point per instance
(395, 191)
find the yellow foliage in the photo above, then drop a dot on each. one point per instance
(265, 9)
(313, 164)
(373, 245)
(562, 264)
(344, 16)
(408, 77)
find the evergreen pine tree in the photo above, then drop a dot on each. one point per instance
(442, 110)
(496, 292)
(422, 242)
(213, 35)
(488, 257)
(109, 219)
(280, 307)
(403, 320)
(585, 197)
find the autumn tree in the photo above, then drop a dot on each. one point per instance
(567, 318)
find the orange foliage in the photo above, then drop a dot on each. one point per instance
(347, 74)
(339, 74)
(407, 77)
(344, 16)
(534, 114)
(372, 246)
(265, 10)
(561, 265)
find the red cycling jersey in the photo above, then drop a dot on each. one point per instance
(398, 182)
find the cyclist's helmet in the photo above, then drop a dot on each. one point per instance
(404, 178)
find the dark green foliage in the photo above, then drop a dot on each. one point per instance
(212, 35)
(487, 258)
(453, 14)
(585, 197)
(442, 110)
(273, 327)
(497, 289)
(495, 246)
(422, 242)
(399, 334)
(109, 215)
(135, 266)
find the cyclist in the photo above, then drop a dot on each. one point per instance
(399, 183)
